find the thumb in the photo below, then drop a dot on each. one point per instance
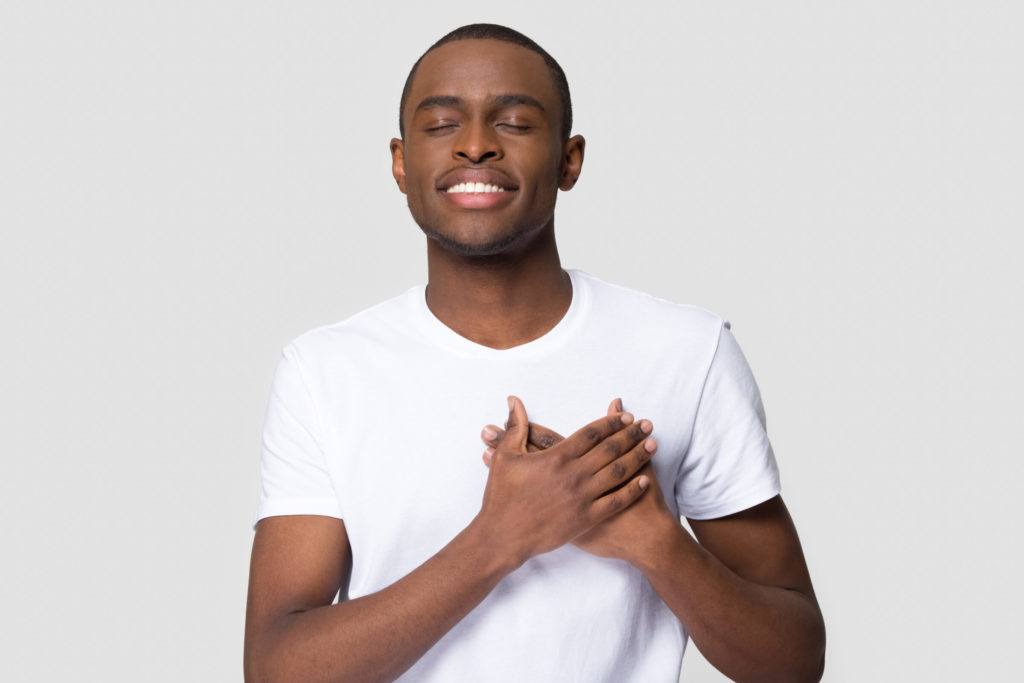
(518, 427)
(615, 407)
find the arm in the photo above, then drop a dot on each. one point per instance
(743, 591)
(532, 503)
(293, 632)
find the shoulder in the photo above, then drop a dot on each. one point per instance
(370, 328)
(650, 316)
(608, 294)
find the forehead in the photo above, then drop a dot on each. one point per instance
(481, 69)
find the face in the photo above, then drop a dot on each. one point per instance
(483, 159)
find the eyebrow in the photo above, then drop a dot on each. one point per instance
(500, 100)
(439, 101)
(512, 100)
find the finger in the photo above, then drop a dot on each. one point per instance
(617, 444)
(488, 454)
(539, 438)
(492, 435)
(605, 450)
(517, 426)
(585, 439)
(621, 498)
(615, 406)
(543, 438)
(620, 470)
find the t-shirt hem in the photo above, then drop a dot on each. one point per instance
(734, 505)
(325, 507)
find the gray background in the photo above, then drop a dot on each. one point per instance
(184, 187)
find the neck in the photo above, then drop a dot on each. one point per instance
(499, 301)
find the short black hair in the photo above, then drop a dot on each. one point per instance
(507, 35)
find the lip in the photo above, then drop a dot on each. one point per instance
(477, 200)
(480, 200)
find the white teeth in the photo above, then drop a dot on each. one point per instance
(475, 188)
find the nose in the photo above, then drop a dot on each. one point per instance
(477, 142)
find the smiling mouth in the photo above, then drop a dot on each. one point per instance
(474, 188)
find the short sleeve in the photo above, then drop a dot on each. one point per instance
(729, 465)
(293, 469)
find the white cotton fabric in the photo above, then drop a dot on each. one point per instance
(376, 421)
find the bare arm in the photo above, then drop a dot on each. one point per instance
(293, 632)
(743, 591)
(533, 503)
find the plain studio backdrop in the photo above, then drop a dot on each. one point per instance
(184, 187)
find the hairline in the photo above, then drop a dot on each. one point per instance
(555, 72)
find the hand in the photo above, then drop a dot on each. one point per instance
(619, 535)
(537, 501)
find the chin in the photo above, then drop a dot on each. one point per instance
(460, 247)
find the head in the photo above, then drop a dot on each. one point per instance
(485, 144)
(507, 35)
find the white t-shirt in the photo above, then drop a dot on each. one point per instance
(376, 420)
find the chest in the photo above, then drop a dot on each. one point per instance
(404, 450)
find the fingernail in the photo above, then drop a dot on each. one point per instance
(626, 418)
(650, 445)
(646, 427)
(488, 434)
(510, 403)
(643, 482)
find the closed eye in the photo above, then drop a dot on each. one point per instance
(513, 127)
(440, 127)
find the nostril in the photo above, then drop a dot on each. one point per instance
(477, 158)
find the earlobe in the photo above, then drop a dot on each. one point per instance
(398, 162)
(572, 162)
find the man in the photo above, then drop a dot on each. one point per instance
(556, 559)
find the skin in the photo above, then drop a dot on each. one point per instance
(741, 587)
(495, 278)
(502, 285)
(532, 504)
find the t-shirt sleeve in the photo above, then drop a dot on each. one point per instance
(729, 465)
(293, 468)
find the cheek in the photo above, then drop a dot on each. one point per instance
(553, 172)
(547, 177)
(419, 206)
(417, 184)
(419, 160)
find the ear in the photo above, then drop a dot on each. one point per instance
(572, 162)
(398, 162)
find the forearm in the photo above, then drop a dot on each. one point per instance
(379, 636)
(750, 632)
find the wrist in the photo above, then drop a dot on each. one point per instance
(665, 539)
(496, 555)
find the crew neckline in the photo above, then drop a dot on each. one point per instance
(454, 342)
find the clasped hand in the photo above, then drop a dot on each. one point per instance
(544, 491)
